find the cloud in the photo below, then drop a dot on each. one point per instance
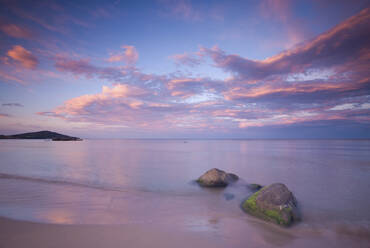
(334, 62)
(12, 105)
(15, 31)
(119, 103)
(51, 16)
(9, 77)
(166, 84)
(324, 80)
(77, 67)
(81, 105)
(342, 44)
(350, 106)
(186, 59)
(335, 47)
(133, 107)
(122, 90)
(129, 55)
(4, 115)
(302, 90)
(23, 56)
(83, 67)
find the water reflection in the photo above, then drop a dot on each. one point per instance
(57, 216)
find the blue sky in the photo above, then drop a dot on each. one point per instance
(186, 69)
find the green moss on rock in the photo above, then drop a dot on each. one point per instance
(250, 204)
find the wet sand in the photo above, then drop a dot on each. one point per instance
(21, 234)
(27, 234)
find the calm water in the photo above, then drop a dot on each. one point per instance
(136, 182)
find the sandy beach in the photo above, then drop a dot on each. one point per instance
(27, 234)
(21, 234)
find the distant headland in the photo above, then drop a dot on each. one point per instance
(41, 135)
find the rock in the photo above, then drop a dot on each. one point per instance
(229, 196)
(233, 177)
(254, 186)
(273, 203)
(216, 178)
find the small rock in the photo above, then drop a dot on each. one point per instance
(216, 178)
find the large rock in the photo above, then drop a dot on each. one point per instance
(216, 178)
(273, 203)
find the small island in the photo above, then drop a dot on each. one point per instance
(41, 135)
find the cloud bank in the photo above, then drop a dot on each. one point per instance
(323, 80)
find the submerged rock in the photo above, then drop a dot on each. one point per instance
(229, 196)
(273, 203)
(254, 186)
(216, 178)
(233, 177)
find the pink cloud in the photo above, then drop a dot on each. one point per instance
(183, 94)
(300, 85)
(77, 67)
(183, 82)
(129, 106)
(51, 16)
(9, 77)
(303, 71)
(83, 67)
(186, 59)
(16, 31)
(284, 90)
(126, 93)
(342, 44)
(129, 55)
(23, 56)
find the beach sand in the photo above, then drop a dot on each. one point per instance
(27, 234)
(14, 234)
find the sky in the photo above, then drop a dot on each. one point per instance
(267, 69)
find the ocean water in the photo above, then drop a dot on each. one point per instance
(151, 182)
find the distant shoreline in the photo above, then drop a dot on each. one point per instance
(196, 139)
(42, 135)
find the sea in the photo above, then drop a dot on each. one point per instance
(139, 182)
